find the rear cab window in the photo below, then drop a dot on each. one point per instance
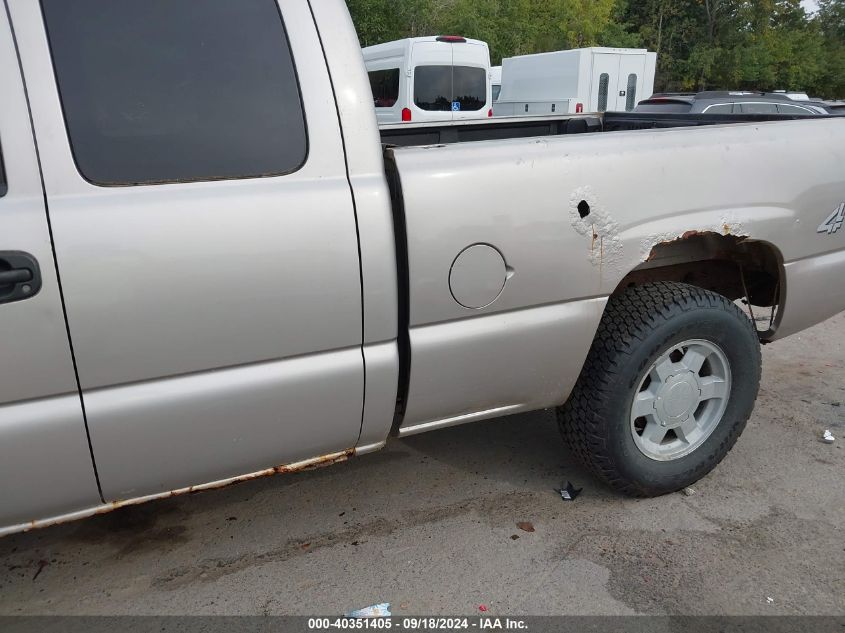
(437, 88)
(385, 87)
(160, 92)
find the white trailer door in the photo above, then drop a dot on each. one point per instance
(605, 82)
(631, 82)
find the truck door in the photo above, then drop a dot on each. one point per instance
(605, 82)
(45, 462)
(205, 233)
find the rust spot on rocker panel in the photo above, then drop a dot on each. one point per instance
(320, 462)
(310, 464)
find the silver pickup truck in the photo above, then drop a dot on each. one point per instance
(215, 267)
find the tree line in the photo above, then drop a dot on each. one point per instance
(701, 44)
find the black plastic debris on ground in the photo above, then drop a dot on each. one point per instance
(569, 492)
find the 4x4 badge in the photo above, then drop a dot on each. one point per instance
(834, 221)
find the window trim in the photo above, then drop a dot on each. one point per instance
(776, 104)
(159, 183)
(743, 103)
(794, 105)
(719, 105)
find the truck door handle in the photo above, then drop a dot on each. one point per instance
(20, 276)
(12, 277)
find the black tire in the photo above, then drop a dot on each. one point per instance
(639, 325)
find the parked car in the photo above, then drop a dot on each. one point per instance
(736, 102)
(444, 78)
(214, 268)
(836, 108)
(821, 105)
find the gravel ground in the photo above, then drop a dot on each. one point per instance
(430, 525)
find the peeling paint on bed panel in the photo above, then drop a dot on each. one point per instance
(728, 224)
(598, 227)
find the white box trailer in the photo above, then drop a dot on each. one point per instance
(579, 80)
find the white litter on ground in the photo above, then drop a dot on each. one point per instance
(376, 611)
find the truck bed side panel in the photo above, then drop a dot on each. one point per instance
(571, 216)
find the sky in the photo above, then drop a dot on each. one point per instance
(810, 5)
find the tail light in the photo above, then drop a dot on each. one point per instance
(490, 114)
(406, 114)
(452, 39)
(579, 108)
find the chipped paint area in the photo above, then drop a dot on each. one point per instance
(727, 225)
(599, 228)
(731, 225)
(648, 244)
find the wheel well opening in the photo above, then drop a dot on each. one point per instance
(733, 266)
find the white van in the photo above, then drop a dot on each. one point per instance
(580, 80)
(445, 78)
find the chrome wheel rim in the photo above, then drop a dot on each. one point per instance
(681, 400)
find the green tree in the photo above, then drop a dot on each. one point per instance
(511, 27)
(830, 21)
(701, 44)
